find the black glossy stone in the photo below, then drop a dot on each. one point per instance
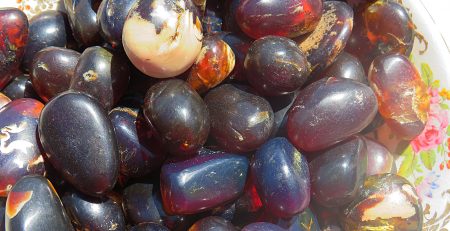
(83, 21)
(34, 205)
(240, 44)
(212, 223)
(178, 116)
(346, 66)
(141, 204)
(20, 87)
(149, 227)
(79, 140)
(103, 74)
(93, 213)
(338, 173)
(46, 29)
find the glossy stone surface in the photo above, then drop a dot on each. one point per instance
(13, 38)
(283, 18)
(305, 221)
(34, 205)
(379, 159)
(240, 45)
(20, 154)
(372, 36)
(149, 227)
(140, 203)
(281, 177)
(275, 66)
(111, 16)
(170, 36)
(403, 98)
(338, 173)
(262, 226)
(214, 63)
(240, 121)
(93, 214)
(4, 100)
(387, 202)
(202, 182)
(46, 29)
(20, 87)
(212, 223)
(83, 149)
(330, 36)
(178, 116)
(328, 111)
(51, 71)
(139, 155)
(103, 74)
(328, 218)
(83, 21)
(346, 66)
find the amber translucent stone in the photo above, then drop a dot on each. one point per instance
(403, 99)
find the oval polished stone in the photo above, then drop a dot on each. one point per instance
(111, 16)
(178, 116)
(328, 111)
(51, 71)
(281, 177)
(240, 121)
(92, 213)
(83, 21)
(13, 38)
(170, 36)
(212, 223)
(140, 203)
(149, 227)
(46, 29)
(387, 202)
(139, 156)
(379, 159)
(305, 221)
(338, 173)
(20, 87)
(20, 154)
(262, 226)
(289, 18)
(403, 98)
(214, 63)
(33, 204)
(83, 148)
(346, 66)
(328, 39)
(103, 74)
(275, 66)
(202, 183)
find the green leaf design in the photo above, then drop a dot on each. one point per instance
(448, 131)
(428, 159)
(444, 106)
(426, 73)
(407, 166)
(440, 149)
(436, 84)
(418, 180)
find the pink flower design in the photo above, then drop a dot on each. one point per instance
(435, 129)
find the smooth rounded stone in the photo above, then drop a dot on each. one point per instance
(328, 218)
(139, 155)
(149, 227)
(379, 159)
(240, 45)
(403, 98)
(275, 66)
(305, 221)
(226, 212)
(170, 36)
(281, 177)
(328, 39)
(13, 39)
(214, 63)
(262, 226)
(346, 66)
(51, 71)
(328, 111)
(202, 183)
(102, 74)
(4, 100)
(20, 87)
(387, 202)
(289, 18)
(83, 21)
(212, 223)
(20, 153)
(79, 141)
(140, 203)
(338, 173)
(33, 204)
(46, 29)
(240, 121)
(178, 116)
(92, 213)
(111, 16)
